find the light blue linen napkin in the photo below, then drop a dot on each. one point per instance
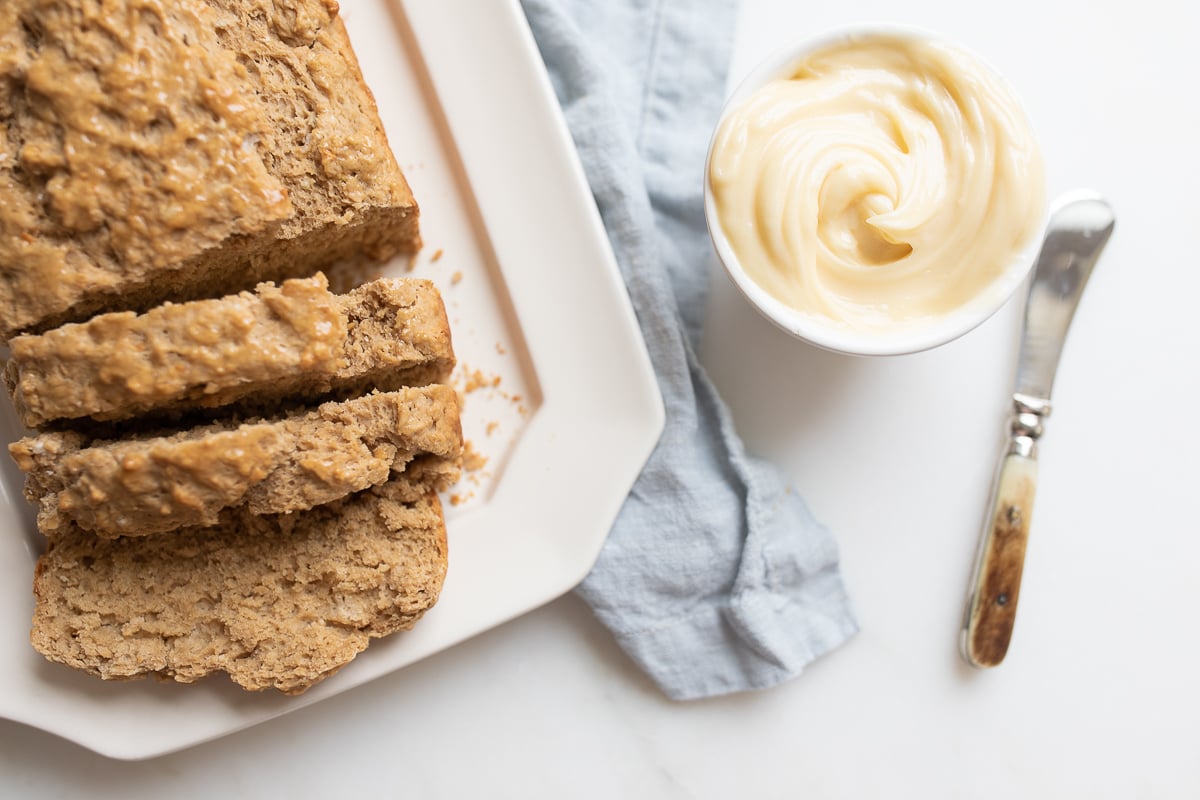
(715, 577)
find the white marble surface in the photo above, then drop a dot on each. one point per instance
(1098, 697)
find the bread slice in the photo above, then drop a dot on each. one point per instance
(183, 150)
(152, 484)
(278, 601)
(295, 341)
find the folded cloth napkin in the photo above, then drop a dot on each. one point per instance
(715, 577)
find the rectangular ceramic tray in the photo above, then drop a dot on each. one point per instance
(559, 394)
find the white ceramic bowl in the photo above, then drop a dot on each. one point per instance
(809, 327)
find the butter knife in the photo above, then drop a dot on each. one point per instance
(1078, 229)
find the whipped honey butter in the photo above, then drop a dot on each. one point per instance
(889, 179)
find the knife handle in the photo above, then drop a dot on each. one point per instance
(996, 585)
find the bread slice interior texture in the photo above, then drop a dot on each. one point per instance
(276, 601)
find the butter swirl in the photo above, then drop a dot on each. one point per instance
(890, 179)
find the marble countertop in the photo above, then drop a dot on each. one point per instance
(1098, 697)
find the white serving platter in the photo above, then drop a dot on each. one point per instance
(538, 308)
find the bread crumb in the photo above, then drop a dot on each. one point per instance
(472, 459)
(500, 349)
(491, 427)
(437, 256)
(456, 278)
(475, 380)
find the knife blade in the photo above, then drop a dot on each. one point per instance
(1076, 234)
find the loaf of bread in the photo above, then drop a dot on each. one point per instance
(295, 341)
(275, 601)
(183, 149)
(144, 484)
(237, 469)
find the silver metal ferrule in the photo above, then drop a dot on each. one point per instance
(1026, 426)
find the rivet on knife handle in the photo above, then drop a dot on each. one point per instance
(996, 585)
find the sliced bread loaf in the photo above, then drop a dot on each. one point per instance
(179, 150)
(296, 340)
(146, 484)
(276, 601)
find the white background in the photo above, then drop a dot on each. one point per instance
(1098, 697)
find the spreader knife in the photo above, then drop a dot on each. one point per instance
(1075, 236)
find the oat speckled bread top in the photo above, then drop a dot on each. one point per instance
(147, 484)
(296, 340)
(158, 150)
(277, 601)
